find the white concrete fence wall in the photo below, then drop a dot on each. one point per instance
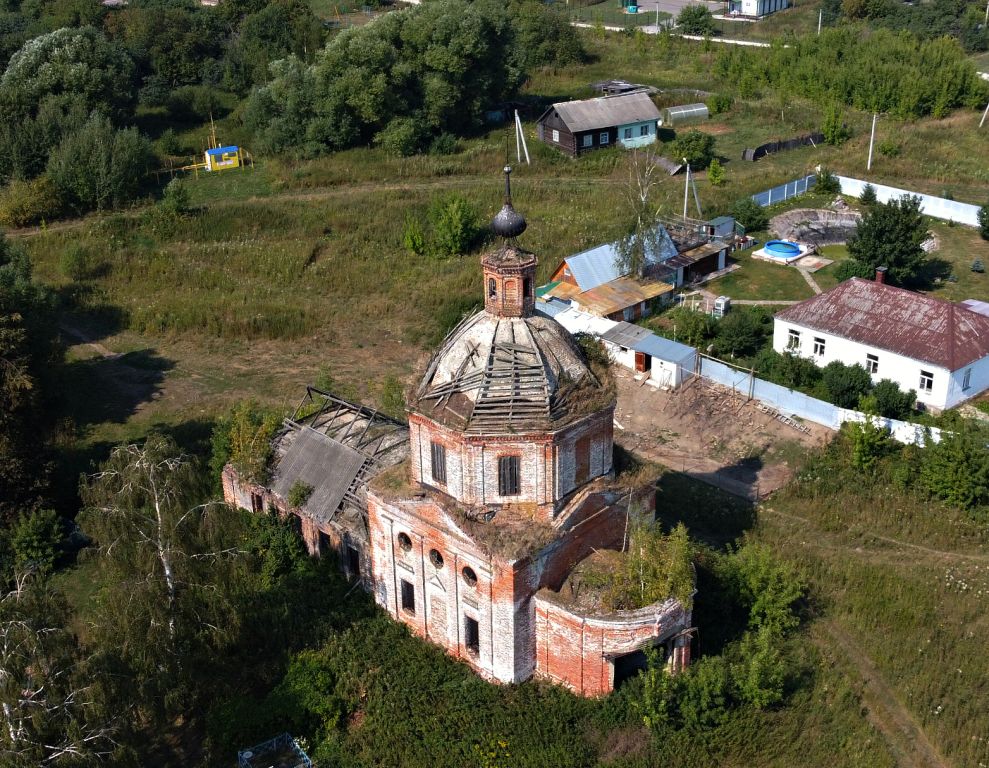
(936, 207)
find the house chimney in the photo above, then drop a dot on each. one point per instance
(880, 275)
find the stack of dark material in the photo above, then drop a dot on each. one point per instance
(779, 146)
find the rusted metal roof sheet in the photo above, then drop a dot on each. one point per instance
(618, 294)
(607, 111)
(920, 327)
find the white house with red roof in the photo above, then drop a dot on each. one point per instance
(937, 348)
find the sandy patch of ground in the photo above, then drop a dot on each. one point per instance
(704, 432)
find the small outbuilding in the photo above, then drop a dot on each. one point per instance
(684, 115)
(756, 8)
(576, 127)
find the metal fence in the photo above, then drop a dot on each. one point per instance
(790, 402)
(785, 191)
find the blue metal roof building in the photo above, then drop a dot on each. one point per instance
(597, 266)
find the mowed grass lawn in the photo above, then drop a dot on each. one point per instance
(758, 279)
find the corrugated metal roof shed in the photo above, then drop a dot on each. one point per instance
(615, 296)
(607, 111)
(551, 307)
(666, 349)
(911, 324)
(598, 265)
(625, 334)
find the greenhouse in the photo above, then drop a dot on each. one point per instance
(688, 113)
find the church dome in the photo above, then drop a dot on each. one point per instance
(497, 375)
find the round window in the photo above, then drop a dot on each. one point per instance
(436, 558)
(404, 541)
(469, 576)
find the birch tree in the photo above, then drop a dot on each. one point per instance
(643, 236)
(50, 711)
(169, 566)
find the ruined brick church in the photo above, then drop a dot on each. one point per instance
(471, 522)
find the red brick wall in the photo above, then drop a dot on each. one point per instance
(578, 651)
(548, 461)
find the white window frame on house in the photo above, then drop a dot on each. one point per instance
(926, 381)
(604, 138)
(967, 379)
(872, 363)
(793, 339)
(819, 346)
(628, 133)
(587, 140)
(643, 130)
(556, 136)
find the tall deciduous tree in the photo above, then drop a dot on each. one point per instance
(80, 63)
(28, 348)
(168, 564)
(890, 234)
(51, 713)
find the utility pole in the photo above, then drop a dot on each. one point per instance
(983, 120)
(657, 18)
(820, 18)
(686, 190)
(872, 140)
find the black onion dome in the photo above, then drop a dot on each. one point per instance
(508, 222)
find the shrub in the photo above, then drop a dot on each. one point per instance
(868, 196)
(984, 221)
(23, 203)
(704, 693)
(787, 370)
(251, 430)
(844, 385)
(716, 173)
(412, 236)
(890, 401)
(850, 268)
(834, 129)
(455, 224)
(392, 397)
(98, 166)
(696, 20)
(956, 469)
(402, 137)
(693, 328)
(719, 103)
(758, 678)
(978, 266)
(37, 540)
(750, 215)
(770, 589)
(827, 182)
(888, 148)
(76, 263)
(299, 494)
(742, 332)
(444, 144)
(695, 146)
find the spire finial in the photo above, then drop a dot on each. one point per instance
(508, 222)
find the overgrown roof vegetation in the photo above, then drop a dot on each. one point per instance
(652, 568)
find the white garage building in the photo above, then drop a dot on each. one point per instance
(937, 348)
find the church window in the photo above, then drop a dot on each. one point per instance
(408, 597)
(492, 288)
(527, 288)
(404, 542)
(472, 635)
(508, 476)
(436, 558)
(438, 456)
(470, 578)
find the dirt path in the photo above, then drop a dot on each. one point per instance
(904, 736)
(822, 536)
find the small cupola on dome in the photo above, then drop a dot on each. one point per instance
(508, 223)
(509, 271)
